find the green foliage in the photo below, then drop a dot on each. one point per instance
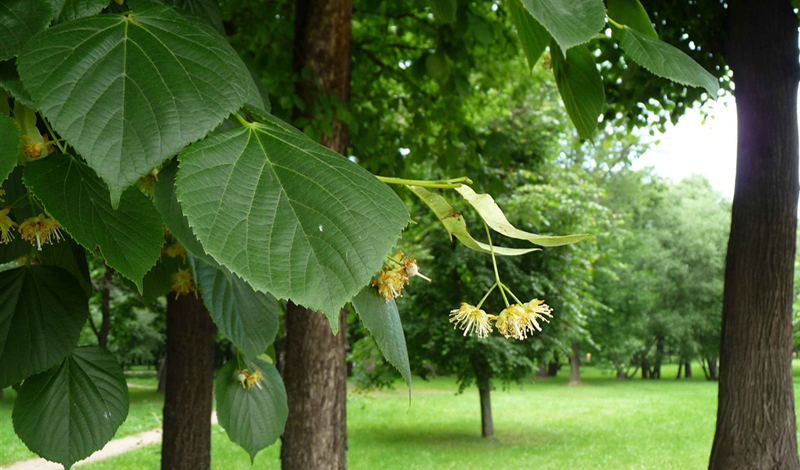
(445, 10)
(65, 10)
(254, 418)
(107, 104)
(19, 21)
(532, 35)
(631, 13)
(9, 79)
(129, 237)
(581, 87)
(70, 411)
(42, 310)
(570, 22)
(246, 191)
(9, 146)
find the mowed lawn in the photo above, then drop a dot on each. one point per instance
(602, 424)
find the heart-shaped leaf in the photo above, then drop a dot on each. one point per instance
(128, 91)
(570, 22)
(42, 310)
(72, 410)
(288, 215)
(19, 21)
(533, 36)
(129, 238)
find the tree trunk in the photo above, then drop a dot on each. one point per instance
(554, 365)
(712, 369)
(314, 375)
(575, 364)
(680, 367)
(687, 370)
(105, 310)
(645, 368)
(756, 427)
(487, 425)
(541, 370)
(187, 403)
(656, 372)
(315, 369)
(161, 375)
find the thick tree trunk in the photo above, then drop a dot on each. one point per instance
(756, 427)
(575, 364)
(190, 380)
(487, 424)
(161, 375)
(314, 374)
(315, 369)
(687, 370)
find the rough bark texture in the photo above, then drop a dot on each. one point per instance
(190, 380)
(487, 424)
(756, 427)
(575, 364)
(314, 374)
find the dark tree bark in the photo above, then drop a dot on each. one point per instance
(756, 427)
(687, 370)
(187, 403)
(487, 424)
(656, 372)
(680, 368)
(315, 369)
(575, 364)
(105, 310)
(712, 369)
(314, 374)
(161, 375)
(645, 368)
(554, 365)
(541, 371)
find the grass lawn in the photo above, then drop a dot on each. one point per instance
(602, 424)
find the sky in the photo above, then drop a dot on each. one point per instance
(693, 146)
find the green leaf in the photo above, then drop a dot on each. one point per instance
(444, 10)
(255, 418)
(454, 223)
(128, 91)
(65, 10)
(19, 21)
(532, 35)
(15, 190)
(666, 61)
(10, 142)
(494, 217)
(631, 13)
(158, 281)
(42, 310)
(9, 79)
(71, 257)
(570, 22)
(129, 238)
(207, 10)
(383, 322)
(72, 410)
(288, 215)
(581, 87)
(438, 66)
(246, 317)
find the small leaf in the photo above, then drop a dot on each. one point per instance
(666, 61)
(631, 13)
(129, 238)
(581, 87)
(9, 148)
(9, 79)
(570, 22)
(494, 217)
(533, 36)
(65, 10)
(438, 66)
(42, 310)
(19, 21)
(128, 91)
(454, 224)
(444, 10)
(383, 322)
(72, 410)
(288, 215)
(255, 418)
(246, 317)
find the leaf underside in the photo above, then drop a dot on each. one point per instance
(570, 22)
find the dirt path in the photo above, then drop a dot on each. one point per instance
(115, 447)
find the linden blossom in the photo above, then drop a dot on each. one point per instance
(182, 282)
(391, 280)
(40, 230)
(6, 224)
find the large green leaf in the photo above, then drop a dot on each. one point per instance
(19, 21)
(9, 79)
(246, 317)
(494, 217)
(631, 13)
(444, 10)
(128, 91)
(532, 35)
(570, 22)
(10, 142)
(383, 322)
(129, 238)
(454, 223)
(289, 216)
(42, 310)
(581, 87)
(72, 410)
(665, 60)
(71, 257)
(65, 10)
(253, 418)
(208, 10)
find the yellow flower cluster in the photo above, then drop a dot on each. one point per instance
(250, 380)
(182, 282)
(37, 230)
(6, 224)
(396, 275)
(515, 321)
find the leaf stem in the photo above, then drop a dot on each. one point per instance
(242, 120)
(614, 23)
(486, 296)
(53, 135)
(441, 184)
(494, 263)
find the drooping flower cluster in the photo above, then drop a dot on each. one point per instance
(395, 275)
(39, 230)
(515, 321)
(182, 282)
(6, 224)
(472, 320)
(250, 379)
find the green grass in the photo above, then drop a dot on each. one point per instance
(602, 424)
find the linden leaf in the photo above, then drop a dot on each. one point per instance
(19, 21)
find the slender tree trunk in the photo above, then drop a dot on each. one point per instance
(712, 369)
(487, 424)
(314, 374)
(656, 372)
(575, 364)
(190, 380)
(645, 368)
(756, 427)
(680, 367)
(315, 369)
(687, 370)
(541, 370)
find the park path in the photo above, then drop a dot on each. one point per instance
(115, 447)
